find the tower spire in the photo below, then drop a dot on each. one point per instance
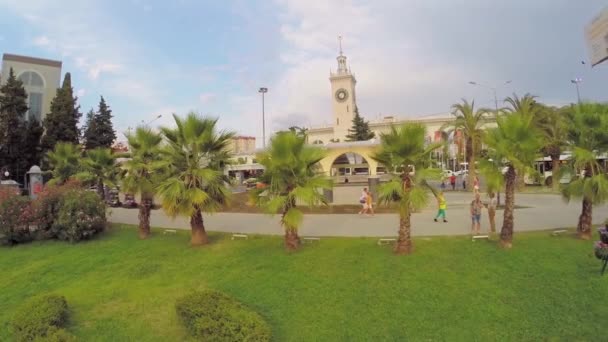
(340, 43)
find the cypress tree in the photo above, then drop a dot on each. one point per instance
(104, 131)
(360, 130)
(90, 131)
(61, 124)
(13, 106)
(31, 149)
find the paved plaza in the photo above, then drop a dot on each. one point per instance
(543, 211)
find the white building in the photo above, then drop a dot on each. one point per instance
(40, 77)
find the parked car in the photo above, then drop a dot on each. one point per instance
(250, 182)
(129, 201)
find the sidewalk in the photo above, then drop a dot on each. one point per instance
(548, 212)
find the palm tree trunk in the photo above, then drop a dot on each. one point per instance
(404, 240)
(555, 177)
(506, 233)
(100, 190)
(199, 235)
(144, 217)
(292, 240)
(584, 220)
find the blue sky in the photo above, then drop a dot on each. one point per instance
(410, 58)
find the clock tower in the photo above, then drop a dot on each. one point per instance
(343, 96)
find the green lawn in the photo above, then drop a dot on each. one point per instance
(343, 289)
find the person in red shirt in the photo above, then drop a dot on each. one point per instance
(453, 181)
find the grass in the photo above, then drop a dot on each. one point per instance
(340, 289)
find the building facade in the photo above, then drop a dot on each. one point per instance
(40, 77)
(242, 145)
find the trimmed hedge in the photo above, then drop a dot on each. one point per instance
(213, 316)
(40, 317)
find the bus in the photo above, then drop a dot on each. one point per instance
(544, 170)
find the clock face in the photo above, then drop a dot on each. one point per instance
(341, 95)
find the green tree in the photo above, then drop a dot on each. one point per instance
(469, 121)
(13, 106)
(405, 154)
(98, 167)
(89, 131)
(63, 161)
(61, 124)
(194, 157)
(30, 145)
(517, 141)
(103, 125)
(292, 176)
(143, 172)
(587, 138)
(360, 130)
(301, 131)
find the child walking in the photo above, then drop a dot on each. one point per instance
(442, 204)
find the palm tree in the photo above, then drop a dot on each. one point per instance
(98, 167)
(587, 138)
(517, 141)
(292, 176)
(64, 162)
(403, 151)
(143, 172)
(194, 157)
(553, 126)
(469, 122)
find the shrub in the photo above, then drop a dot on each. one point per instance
(213, 316)
(81, 215)
(47, 206)
(40, 317)
(56, 335)
(15, 219)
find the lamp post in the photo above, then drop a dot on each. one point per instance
(576, 81)
(263, 90)
(151, 121)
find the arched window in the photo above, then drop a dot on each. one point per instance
(34, 86)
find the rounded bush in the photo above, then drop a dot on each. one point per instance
(56, 335)
(47, 205)
(81, 215)
(40, 317)
(15, 219)
(213, 316)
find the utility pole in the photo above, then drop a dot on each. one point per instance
(263, 91)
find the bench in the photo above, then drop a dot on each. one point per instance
(170, 231)
(311, 239)
(558, 232)
(239, 236)
(480, 237)
(386, 241)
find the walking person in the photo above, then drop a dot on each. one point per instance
(476, 207)
(363, 201)
(476, 184)
(442, 206)
(453, 181)
(368, 203)
(464, 182)
(492, 212)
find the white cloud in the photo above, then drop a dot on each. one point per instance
(81, 93)
(96, 69)
(42, 41)
(205, 98)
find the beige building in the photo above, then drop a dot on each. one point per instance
(242, 145)
(40, 77)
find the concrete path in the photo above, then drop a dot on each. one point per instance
(544, 212)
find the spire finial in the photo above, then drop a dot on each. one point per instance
(340, 43)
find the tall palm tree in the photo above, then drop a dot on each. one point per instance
(404, 153)
(292, 176)
(587, 138)
(469, 121)
(194, 157)
(143, 172)
(98, 167)
(64, 162)
(517, 141)
(553, 126)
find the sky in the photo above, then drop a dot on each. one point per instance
(410, 57)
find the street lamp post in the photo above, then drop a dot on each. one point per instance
(151, 121)
(263, 91)
(576, 81)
